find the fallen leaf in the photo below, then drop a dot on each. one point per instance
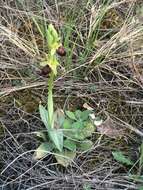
(109, 129)
(86, 106)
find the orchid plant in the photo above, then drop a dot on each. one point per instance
(66, 133)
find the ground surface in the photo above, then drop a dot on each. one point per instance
(103, 67)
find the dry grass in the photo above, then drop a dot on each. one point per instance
(103, 68)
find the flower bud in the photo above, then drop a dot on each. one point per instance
(61, 51)
(45, 71)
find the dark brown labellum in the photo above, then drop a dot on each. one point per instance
(61, 51)
(45, 71)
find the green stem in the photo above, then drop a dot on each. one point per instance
(50, 98)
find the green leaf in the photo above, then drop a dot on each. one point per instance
(67, 124)
(85, 145)
(74, 130)
(119, 156)
(80, 130)
(77, 125)
(65, 158)
(43, 150)
(71, 115)
(85, 115)
(88, 130)
(82, 115)
(56, 136)
(44, 116)
(78, 114)
(74, 134)
(70, 145)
